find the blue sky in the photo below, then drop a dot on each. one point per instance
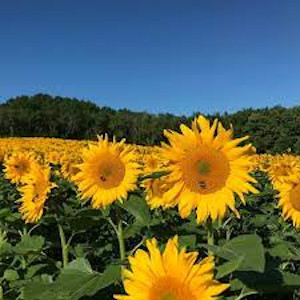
(159, 56)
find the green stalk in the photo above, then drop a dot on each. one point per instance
(64, 246)
(210, 235)
(120, 235)
(1, 293)
(121, 241)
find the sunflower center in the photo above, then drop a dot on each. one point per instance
(21, 167)
(111, 173)
(205, 170)
(203, 167)
(169, 296)
(151, 162)
(295, 197)
(105, 174)
(168, 288)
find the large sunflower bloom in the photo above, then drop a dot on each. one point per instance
(18, 165)
(207, 168)
(289, 199)
(37, 186)
(173, 275)
(108, 172)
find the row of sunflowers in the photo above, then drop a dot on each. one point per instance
(200, 217)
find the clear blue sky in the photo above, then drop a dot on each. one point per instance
(160, 56)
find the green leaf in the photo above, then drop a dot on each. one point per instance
(13, 217)
(188, 241)
(133, 229)
(106, 211)
(85, 219)
(251, 248)
(5, 248)
(29, 244)
(4, 212)
(32, 270)
(290, 280)
(229, 267)
(236, 284)
(295, 252)
(10, 275)
(89, 285)
(281, 250)
(80, 265)
(75, 281)
(248, 246)
(139, 208)
(155, 175)
(259, 220)
(269, 282)
(79, 251)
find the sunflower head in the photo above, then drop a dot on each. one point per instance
(283, 168)
(155, 190)
(18, 165)
(289, 199)
(108, 172)
(37, 186)
(52, 157)
(207, 167)
(152, 162)
(69, 166)
(171, 275)
(263, 162)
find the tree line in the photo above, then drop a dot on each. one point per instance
(272, 130)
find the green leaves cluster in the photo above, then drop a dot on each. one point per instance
(48, 116)
(258, 255)
(75, 281)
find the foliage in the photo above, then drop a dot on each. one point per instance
(258, 254)
(47, 116)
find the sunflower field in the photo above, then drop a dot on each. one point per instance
(200, 217)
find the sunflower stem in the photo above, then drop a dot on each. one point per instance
(113, 225)
(210, 234)
(120, 235)
(121, 241)
(64, 246)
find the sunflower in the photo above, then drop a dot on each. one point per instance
(37, 186)
(18, 165)
(69, 169)
(173, 275)
(289, 199)
(152, 163)
(52, 157)
(207, 168)
(263, 161)
(108, 172)
(69, 166)
(282, 168)
(155, 190)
